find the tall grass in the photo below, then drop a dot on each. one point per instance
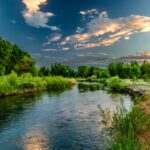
(14, 84)
(127, 126)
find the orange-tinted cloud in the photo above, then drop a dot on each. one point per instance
(103, 31)
(33, 6)
(36, 18)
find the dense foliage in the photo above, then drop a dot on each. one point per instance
(12, 83)
(11, 56)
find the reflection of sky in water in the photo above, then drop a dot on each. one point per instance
(66, 121)
(36, 139)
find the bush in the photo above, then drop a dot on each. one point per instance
(12, 79)
(104, 74)
(4, 85)
(115, 84)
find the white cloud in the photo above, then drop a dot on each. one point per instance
(79, 30)
(49, 49)
(65, 48)
(36, 18)
(104, 31)
(86, 12)
(54, 38)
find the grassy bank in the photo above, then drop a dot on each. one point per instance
(13, 84)
(127, 129)
(130, 130)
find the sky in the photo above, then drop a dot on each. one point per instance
(79, 32)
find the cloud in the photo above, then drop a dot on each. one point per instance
(50, 49)
(140, 57)
(65, 48)
(145, 53)
(104, 31)
(54, 38)
(88, 11)
(79, 30)
(36, 18)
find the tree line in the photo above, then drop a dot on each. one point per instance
(123, 70)
(14, 58)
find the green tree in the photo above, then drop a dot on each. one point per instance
(83, 71)
(122, 69)
(11, 56)
(104, 73)
(145, 70)
(135, 71)
(58, 69)
(16, 55)
(27, 64)
(44, 71)
(93, 71)
(112, 68)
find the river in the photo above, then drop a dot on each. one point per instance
(68, 120)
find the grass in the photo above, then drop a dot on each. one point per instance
(13, 84)
(126, 127)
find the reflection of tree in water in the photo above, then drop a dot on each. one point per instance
(83, 87)
(15, 105)
(12, 106)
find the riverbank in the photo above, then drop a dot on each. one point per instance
(130, 130)
(14, 85)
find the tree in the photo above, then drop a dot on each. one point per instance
(62, 70)
(16, 55)
(2, 70)
(104, 73)
(83, 71)
(27, 64)
(11, 56)
(44, 71)
(122, 69)
(93, 71)
(5, 53)
(135, 71)
(112, 69)
(145, 70)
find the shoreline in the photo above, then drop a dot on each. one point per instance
(13, 85)
(141, 106)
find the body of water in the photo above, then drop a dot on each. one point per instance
(68, 120)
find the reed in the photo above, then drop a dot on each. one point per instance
(13, 84)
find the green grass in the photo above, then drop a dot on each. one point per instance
(14, 84)
(127, 126)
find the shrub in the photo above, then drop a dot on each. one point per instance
(104, 74)
(12, 79)
(4, 85)
(115, 84)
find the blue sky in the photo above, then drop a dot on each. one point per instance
(77, 32)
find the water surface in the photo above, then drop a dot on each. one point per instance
(68, 120)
